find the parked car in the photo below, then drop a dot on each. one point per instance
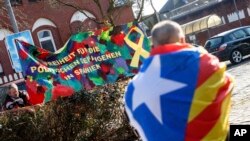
(230, 45)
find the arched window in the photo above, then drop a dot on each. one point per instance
(46, 40)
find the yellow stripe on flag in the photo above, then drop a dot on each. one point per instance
(220, 130)
(206, 93)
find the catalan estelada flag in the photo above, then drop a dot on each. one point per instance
(181, 93)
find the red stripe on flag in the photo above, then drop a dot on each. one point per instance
(201, 125)
(162, 49)
(208, 65)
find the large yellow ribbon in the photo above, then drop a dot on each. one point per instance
(138, 48)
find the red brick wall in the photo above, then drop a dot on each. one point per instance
(119, 18)
(4, 59)
(88, 24)
(28, 13)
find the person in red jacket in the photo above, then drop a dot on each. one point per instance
(15, 98)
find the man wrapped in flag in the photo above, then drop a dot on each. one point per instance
(181, 92)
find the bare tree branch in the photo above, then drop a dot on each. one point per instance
(152, 5)
(110, 12)
(139, 16)
(80, 10)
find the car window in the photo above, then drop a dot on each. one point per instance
(229, 37)
(239, 34)
(248, 31)
(214, 42)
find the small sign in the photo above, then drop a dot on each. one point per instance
(12, 50)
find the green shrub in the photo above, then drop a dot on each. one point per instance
(96, 115)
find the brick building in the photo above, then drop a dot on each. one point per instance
(52, 26)
(232, 13)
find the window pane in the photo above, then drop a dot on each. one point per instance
(120, 2)
(43, 34)
(248, 31)
(46, 39)
(214, 42)
(230, 37)
(16, 2)
(1, 68)
(239, 34)
(48, 45)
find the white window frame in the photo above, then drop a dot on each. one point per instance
(47, 38)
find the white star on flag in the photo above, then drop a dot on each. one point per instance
(149, 86)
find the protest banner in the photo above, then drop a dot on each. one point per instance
(88, 59)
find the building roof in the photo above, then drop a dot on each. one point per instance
(202, 24)
(175, 9)
(173, 4)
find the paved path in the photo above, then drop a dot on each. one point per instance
(240, 111)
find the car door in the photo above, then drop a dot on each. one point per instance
(247, 30)
(242, 41)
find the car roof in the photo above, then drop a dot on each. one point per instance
(229, 31)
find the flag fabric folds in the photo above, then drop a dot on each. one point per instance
(87, 60)
(180, 93)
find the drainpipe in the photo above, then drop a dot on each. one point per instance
(11, 15)
(237, 11)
